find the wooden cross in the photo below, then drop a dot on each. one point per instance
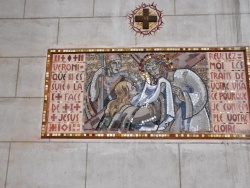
(145, 18)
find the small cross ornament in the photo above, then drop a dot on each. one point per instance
(146, 19)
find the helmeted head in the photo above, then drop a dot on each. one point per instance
(113, 62)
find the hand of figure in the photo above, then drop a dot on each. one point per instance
(178, 92)
(103, 71)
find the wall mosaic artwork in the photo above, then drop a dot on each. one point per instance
(147, 93)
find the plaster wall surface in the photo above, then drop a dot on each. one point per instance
(29, 27)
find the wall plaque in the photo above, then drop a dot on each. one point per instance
(146, 19)
(147, 93)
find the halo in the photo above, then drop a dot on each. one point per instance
(158, 57)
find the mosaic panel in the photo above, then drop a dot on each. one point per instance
(147, 93)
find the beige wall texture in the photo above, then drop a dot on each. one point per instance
(29, 27)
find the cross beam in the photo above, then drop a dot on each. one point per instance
(145, 18)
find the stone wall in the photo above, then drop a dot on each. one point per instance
(29, 27)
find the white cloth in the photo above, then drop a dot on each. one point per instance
(194, 116)
(150, 93)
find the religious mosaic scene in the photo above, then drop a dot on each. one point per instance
(166, 92)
